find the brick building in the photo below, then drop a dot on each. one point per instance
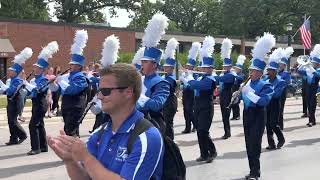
(18, 34)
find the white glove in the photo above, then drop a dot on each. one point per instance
(310, 71)
(59, 78)
(63, 84)
(142, 100)
(3, 86)
(253, 97)
(246, 89)
(29, 86)
(183, 80)
(189, 77)
(96, 109)
(89, 75)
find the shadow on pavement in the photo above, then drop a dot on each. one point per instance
(13, 156)
(193, 163)
(304, 142)
(12, 171)
(194, 142)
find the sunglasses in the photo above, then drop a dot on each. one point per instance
(107, 91)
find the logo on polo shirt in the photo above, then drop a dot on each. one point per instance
(122, 154)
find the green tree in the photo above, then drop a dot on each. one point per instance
(82, 10)
(24, 9)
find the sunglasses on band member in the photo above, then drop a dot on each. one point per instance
(107, 91)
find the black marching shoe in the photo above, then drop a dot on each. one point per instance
(22, 139)
(33, 152)
(193, 130)
(251, 177)
(211, 157)
(186, 131)
(44, 149)
(11, 143)
(304, 115)
(280, 144)
(309, 124)
(200, 159)
(226, 136)
(270, 148)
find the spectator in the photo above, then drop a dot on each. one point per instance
(50, 76)
(56, 94)
(106, 155)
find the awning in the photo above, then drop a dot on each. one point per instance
(6, 48)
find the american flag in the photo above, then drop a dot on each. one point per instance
(305, 34)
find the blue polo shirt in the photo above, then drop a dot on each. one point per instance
(145, 159)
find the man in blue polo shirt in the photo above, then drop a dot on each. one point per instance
(106, 156)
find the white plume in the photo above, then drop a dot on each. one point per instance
(79, 42)
(110, 50)
(315, 51)
(171, 47)
(226, 48)
(137, 57)
(155, 29)
(288, 52)
(207, 47)
(276, 55)
(49, 50)
(263, 46)
(241, 59)
(25, 54)
(194, 50)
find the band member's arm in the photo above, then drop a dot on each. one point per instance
(263, 97)
(13, 86)
(158, 97)
(279, 89)
(227, 78)
(77, 85)
(204, 84)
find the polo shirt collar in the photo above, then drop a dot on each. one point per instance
(129, 123)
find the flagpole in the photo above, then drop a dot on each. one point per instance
(300, 26)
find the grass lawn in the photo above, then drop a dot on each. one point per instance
(3, 102)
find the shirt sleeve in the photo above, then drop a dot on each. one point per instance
(265, 95)
(227, 78)
(76, 85)
(145, 157)
(279, 89)
(204, 84)
(13, 87)
(158, 97)
(42, 83)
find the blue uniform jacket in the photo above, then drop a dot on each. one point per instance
(310, 79)
(77, 83)
(145, 159)
(285, 75)
(262, 89)
(239, 79)
(172, 81)
(205, 83)
(14, 84)
(158, 90)
(226, 80)
(40, 81)
(278, 86)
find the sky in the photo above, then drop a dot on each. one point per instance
(122, 20)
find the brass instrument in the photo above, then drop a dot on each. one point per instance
(20, 87)
(236, 95)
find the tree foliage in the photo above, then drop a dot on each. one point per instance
(24, 9)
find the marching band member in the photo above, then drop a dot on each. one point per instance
(188, 93)
(109, 53)
(155, 89)
(74, 88)
(136, 61)
(226, 81)
(171, 105)
(285, 75)
(273, 108)
(39, 101)
(203, 105)
(256, 95)
(17, 133)
(239, 79)
(312, 71)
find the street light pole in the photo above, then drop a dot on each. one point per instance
(289, 29)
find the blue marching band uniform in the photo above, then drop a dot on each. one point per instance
(285, 75)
